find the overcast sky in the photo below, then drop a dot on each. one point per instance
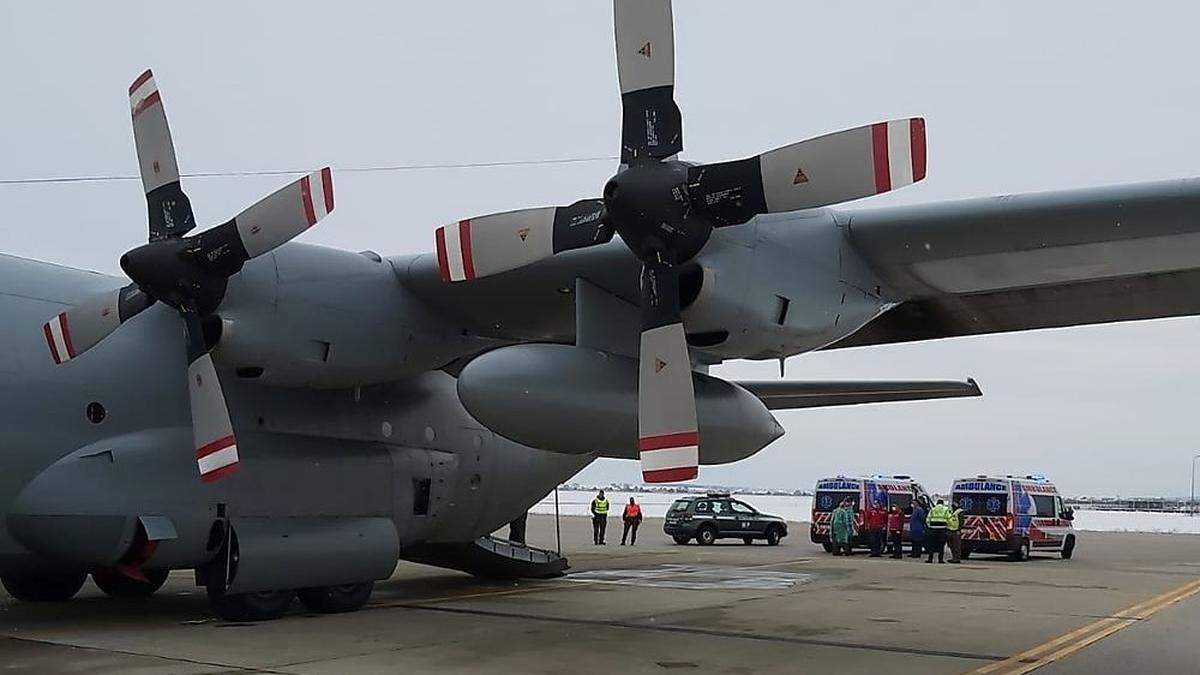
(1018, 96)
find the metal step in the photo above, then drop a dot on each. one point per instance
(491, 558)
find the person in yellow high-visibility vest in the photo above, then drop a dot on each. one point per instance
(954, 530)
(599, 518)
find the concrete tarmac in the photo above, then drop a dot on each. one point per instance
(1125, 603)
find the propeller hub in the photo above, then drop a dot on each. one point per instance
(649, 206)
(164, 270)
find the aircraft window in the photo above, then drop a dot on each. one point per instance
(742, 508)
(421, 496)
(1045, 506)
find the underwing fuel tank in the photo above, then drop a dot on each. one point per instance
(570, 399)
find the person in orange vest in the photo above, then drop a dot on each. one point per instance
(632, 518)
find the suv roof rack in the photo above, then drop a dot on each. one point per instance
(717, 495)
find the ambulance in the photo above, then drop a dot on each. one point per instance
(1013, 515)
(899, 491)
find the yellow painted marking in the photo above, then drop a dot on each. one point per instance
(1065, 645)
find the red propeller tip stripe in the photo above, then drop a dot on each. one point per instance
(140, 81)
(670, 475)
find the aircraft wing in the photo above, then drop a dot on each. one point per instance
(1032, 261)
(785, 395)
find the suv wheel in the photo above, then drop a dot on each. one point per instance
(1068, 548)
(773, 536)
(706, 535)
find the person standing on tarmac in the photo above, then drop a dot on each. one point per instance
(841, 528)
(935, 530)
(916, 526)
(895, 531)
(632, 517)
(954, 529)
(599, 518)
(876, 521)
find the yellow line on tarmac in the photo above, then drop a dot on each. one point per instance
(1065, 645)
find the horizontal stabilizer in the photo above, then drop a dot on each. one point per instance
(784, 395)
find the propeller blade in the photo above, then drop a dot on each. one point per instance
(216, 446)
(826, 170)
(169, 209)
(651, 124)
(270, 222)
(499, 242)
(668, 438)
(78, 329)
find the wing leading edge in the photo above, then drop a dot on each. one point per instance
(1032, 261)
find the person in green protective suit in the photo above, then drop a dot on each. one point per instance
(842, 527)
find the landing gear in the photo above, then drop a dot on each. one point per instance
(261, 606)
(117, 585)
(334, 599)
(44, 587)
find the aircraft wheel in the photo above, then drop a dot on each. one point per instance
(773, 536)
(261, 606)
(117, 585)
(681, 539)
(39, 588)
(333, 599)
(1068, 548)
(706, 536)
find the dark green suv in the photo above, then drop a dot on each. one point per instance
(718, 516)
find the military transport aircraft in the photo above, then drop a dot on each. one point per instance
(287, 419)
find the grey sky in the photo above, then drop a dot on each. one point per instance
(1019, 96)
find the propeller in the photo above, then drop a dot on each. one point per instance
(665, 211)
(187, 273)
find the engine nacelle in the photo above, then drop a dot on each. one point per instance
(577, 400)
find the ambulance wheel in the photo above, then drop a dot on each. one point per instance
(965, 553)
(334, 599)
(1068, 548)
(747, 540)
(706, 535)
(1021, 552)
(261, 606)
(828, 546)
(117, 585)
(44, 588)
(681, 539)
(773, 536)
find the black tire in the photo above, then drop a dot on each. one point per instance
(773, 536)
(334, 599)
(747, 540)
(706, 535)
(966, 553)
(1021, 552)
(828, 546)
(44, 588)
(117, 585)
(261, 606)
(1068, 548)
(681, 539)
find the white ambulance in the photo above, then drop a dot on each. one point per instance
(898, 491)
(1013, 515)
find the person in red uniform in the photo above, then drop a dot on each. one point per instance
(895, 531)
(875, 520)
(632, 517)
